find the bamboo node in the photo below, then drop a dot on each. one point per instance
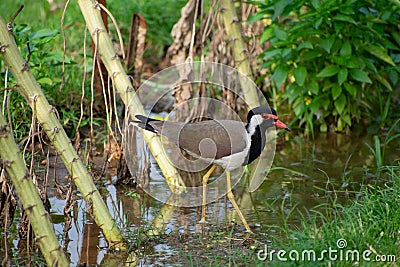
(74, 160)
(56, 130)
(9, 27)
(3, 131)
(26, 176)
(34, 98)
(223, 9)
(130, 89)
(7, 163)
(96, 5)
(38, 239)
(3, 48)
(90, 193)
(52, 109)
(30, 207)
(235, 20)
(96, 32)
(25, 67)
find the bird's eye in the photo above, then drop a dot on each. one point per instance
(264, 116)
(267, 116)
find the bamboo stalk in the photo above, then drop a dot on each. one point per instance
(91, 13)
(30, 199)
(240, 52)
(47, 117)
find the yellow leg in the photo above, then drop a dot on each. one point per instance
(205, 180)
(233, 201)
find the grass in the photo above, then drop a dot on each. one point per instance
(370, 223)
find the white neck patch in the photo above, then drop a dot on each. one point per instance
(255, 121)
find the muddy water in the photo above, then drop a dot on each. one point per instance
(304, 175)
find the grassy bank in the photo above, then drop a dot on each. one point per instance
(366, 231)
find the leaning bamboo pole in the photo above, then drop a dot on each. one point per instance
(29, 197)
(240, 52)
(91, 12)
(46, 115)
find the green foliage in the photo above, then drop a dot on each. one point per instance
(37, 47)
(160, 17)
(334, 59)
(40, 27)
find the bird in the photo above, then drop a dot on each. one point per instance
(227, 143)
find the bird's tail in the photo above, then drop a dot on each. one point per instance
(143, 122)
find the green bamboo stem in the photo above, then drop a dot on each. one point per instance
(46, 115)
(30, 199)
(240, 53)
(91, 12)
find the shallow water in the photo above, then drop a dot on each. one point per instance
(304, 175)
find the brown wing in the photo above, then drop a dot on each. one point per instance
(208, 139)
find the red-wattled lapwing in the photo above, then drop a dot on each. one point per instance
(227, 143)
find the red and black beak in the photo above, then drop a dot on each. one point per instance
(277, 122)
(281, 125)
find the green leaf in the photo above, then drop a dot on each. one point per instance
(270, 53)
(339, 125)
(337, 45)
(323, 127)
(340, 103)
(396, 37)
(45, 80)
(298, 106)
(256, 17)
(345, 18)
(351, 89)
(393, 75)
(43, 33)
(346, 49)
(314, 87)
(318, 22)
(309, 55)
(352, 63)
(342, 76)
(266, 35)
(383, 81)
(328, 71)
(316, 4)
(336, 91)
(300, 75)
(346, 119)
(360, 76)
(279, 7)
(327, 43)
(380, 53)
(305, 44)
(279, 75)
(280, 34)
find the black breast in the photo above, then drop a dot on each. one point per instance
(257, 145)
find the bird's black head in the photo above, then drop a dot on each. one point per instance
(265, 116)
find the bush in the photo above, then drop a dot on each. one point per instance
(334, 60)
